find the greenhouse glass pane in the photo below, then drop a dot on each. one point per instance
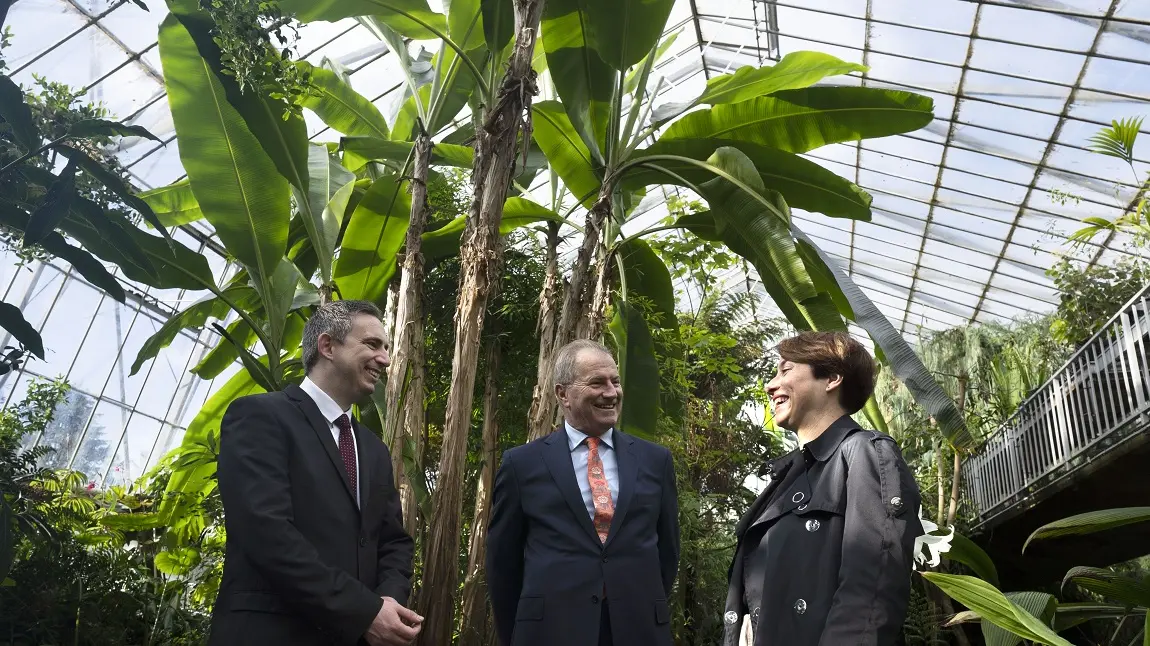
(63, 332)
(131, 456)
(104, 431)
(66, 431)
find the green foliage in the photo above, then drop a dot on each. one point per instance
(1118, 139)
(1090, 295)
(244, 32)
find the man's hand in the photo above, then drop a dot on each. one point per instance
(393, 625)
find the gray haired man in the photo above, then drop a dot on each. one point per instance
(584, 539)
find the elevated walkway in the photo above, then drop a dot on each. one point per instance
(1081, 442)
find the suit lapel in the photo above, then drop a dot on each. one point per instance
(318, 424)
(628, 471)
(557, 456)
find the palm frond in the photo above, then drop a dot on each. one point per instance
(1117, 140)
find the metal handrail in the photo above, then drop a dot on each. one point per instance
(1085, 409)
(1142, 295)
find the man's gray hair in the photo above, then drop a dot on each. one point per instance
(334, 319)
(568, 354)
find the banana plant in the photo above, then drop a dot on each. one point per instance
(46, 207)
(1009, 618)
(737, 145)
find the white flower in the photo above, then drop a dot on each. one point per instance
(936, 545)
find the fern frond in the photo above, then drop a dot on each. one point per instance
(1117, 140)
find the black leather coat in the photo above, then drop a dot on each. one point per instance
(835, 550)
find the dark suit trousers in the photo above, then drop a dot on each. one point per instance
(605, 626)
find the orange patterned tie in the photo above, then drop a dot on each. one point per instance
(600, 490)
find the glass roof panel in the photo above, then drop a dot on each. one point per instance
(1036, 70)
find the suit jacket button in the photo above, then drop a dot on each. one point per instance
(801, 606)
(594, 598)
(730, 617)
(604, 559)
(362, 541)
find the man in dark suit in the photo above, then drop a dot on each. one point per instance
(583, 544)
(316, 551)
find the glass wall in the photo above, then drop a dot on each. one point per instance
(113, 426)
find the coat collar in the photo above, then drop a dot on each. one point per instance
(825, 445)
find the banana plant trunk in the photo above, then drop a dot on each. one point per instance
(575, 302)
(542, 402)
(956, 476)
(416, 429)
(407, 301)
(596, 313)
(474, 620)
(480, 259)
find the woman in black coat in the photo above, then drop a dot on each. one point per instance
(825, 553)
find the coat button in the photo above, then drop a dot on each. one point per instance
(604, 559)
(802, 507)
(362, 541)
(730, 617)
(813, 525)
(896, 501)
(594, 598)
(755, 616)
(801, 606)
(798, 497)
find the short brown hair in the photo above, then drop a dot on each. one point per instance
(835, 353)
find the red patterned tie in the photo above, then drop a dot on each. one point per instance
(347, 451)
(600, 490)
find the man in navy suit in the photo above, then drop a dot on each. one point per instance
(583, 544)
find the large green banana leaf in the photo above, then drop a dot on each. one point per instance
(637, 366)
(281, 132)
(801, 120)
(358, 151)
(623, 32)
(411, 18)
(631, 83)
(193, 316)
(280, 298)
(995, 607)
(765, 229)
(795, 71)
(584, 82)
(375, 234)
(341, 107)
(237, 185)
(804, 184)
(566, 152)
(224, 355)
(329, 190)
(85, 264)
(517, 212)
(174, 204)
(498, 24)
(647, 277)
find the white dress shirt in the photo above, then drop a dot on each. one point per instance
(579, 455)
(331, 412)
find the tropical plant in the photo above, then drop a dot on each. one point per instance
(1118, 141)
(737, 146)
(44, 209)
(1009, 618)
